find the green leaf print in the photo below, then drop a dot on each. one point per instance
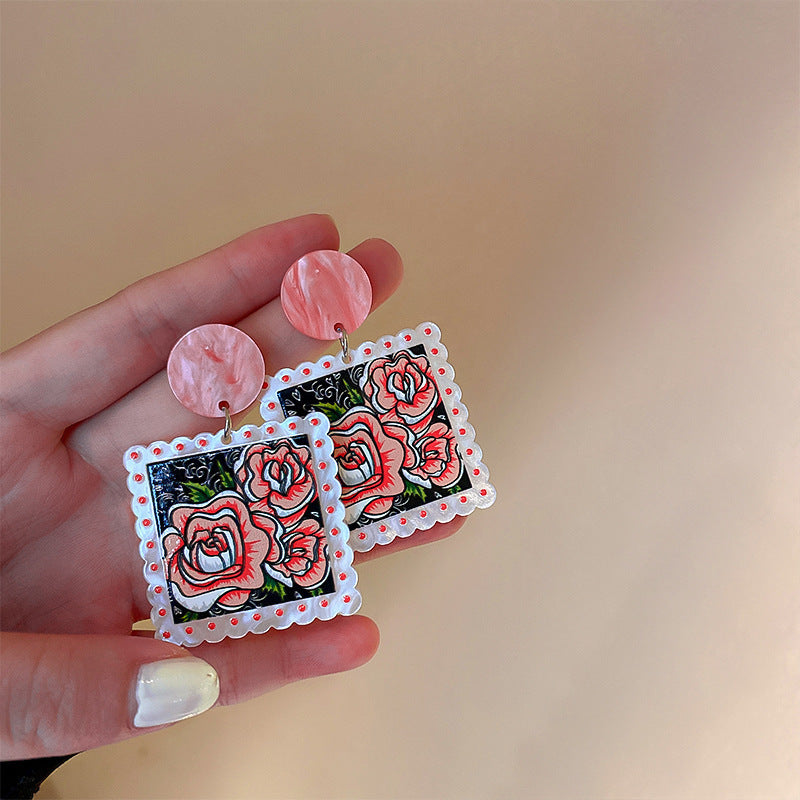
(353, 393)
(274, 587)
(225, 477)
(414, 490)
(332, 411)
(198, 492)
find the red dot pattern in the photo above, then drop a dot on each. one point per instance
(234, 621)
(462, 431)
(338, 554)
(202, 442)
(190, 630)
(137, 478)
(285, 379)
(135, 456)
(157, 451)
(346, 598)
(407, 338)
(463, 499)
(382, 529)
(212, 625)
(427, 331)
(270, 406)
(179, 446)
(327, 364)
(362, 536)
(403, 520)
(324, 603)
(423, 514)
(342, 576)
(315, 422)
(154, 568)
(367, 351)
(162, 612)
(142, 500)
(435, 351)
(157, 590)
(165, 634)
(292, 426)
(334, 532)
(247, 434)
(330, 509)
(443, 506)
(151, 545)
(301, 607)
(306, 371)
(326, 487)
(318, 443)
(278, 612)
(146, 523)
(483, 492)
(256, 617)
(387, 345)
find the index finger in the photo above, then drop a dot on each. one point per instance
(82, 365)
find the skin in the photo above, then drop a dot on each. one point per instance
(72, 400)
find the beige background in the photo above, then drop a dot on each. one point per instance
(598, 203)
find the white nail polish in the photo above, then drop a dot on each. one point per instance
(174, 689)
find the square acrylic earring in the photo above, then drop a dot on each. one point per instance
(239, 530)
(405, 453)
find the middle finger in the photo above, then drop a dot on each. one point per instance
(150, 412)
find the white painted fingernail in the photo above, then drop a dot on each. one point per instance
(174, 689)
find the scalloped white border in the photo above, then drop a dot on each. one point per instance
(481, 495)
(345, 600)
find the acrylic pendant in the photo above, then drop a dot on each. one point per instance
(406, 455)
(240, 530)
(244, 536)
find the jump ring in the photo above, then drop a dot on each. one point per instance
(226, 433)
(339, 328)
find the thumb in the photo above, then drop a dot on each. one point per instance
(62, 693)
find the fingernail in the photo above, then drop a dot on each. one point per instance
(174, 689)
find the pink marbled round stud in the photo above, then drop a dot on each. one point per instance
(323, 289)
(215, 364)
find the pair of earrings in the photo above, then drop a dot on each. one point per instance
(255, 528)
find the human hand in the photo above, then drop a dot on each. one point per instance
(74, 398)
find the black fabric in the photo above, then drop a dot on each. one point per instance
(20, 780)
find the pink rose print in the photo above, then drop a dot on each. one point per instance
(439, 463)
(401, 388)
(279, 477)
(306, 559)
(370, 456)
(214, 552)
